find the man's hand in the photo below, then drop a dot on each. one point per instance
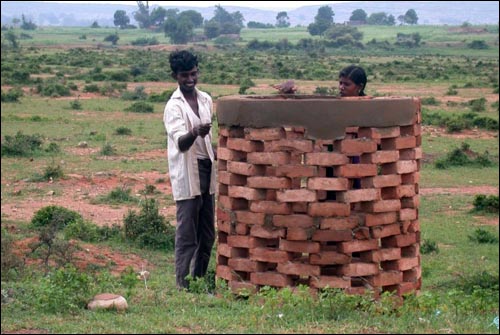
(201, 130)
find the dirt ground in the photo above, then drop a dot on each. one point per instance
(75, 192)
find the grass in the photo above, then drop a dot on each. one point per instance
(448, 301)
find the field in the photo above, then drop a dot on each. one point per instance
(77, 133)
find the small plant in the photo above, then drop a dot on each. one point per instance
(149, 228)
(50, 215)
(21, 145)
(485, 203)
(108, 150)
(118, 195)
(482, 236)
(12, 264)
(75, 104)
(429, 246)
(140, 107)
(123, 131)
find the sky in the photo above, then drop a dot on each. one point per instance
(278, 5)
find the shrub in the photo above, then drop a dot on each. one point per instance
(21, 145)
(485, 203)
(482, 236)
(12, 95)
(11, 263)
(162, 97)
(429, 246)
(54, 215)
(123, 131)
(140, 107)
(108, 150)
(149, 228)
(118, 195)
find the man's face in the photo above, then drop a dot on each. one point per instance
(187, 80)
(348, 88)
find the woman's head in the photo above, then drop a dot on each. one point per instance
(184, 66)
(352, 81)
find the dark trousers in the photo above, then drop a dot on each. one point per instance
(195, 230)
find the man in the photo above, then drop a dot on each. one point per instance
(187, 118)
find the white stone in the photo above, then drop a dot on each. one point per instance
(108, 301)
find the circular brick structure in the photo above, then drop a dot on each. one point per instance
(319, 191)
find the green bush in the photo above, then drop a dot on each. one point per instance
(149, 228)
(140, 107)
(11, 262)
(55, 215)
(429, 246)
(21, 145)
(12, 95)
(123, 131)
(482, 236)
(485, 203)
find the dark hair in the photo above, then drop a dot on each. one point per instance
(182, 61)
(357, 75)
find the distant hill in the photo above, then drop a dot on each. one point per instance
(428, 12)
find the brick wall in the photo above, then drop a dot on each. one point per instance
(336, 212)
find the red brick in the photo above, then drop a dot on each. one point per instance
(326, 158)
(231, 203)
(241, 228)
(262, 232)
(386, 278)
(381, 255)
(359, 195)
(413, 250)
(411, 202)
(241, 241)
(269, 278)
(378, 133)
(271, 255)
(356, 170)
(329, 209)
(361, 233)
(406, 190)
(289, 145)
(269, 207)
(411, 154)
(328, 184)
(340, 223)
(329, 258)
(250, 217)
(294, 171)
(231, 131)
(358, 245)
(382, 206)
(223, 215)
(408, 214)
(245, 168)
(246, 265)
(380, 219)
(293, 221)
(356, 146)
(225, 226)
(410, 178)
(244, 145)
(298, 269)
(269, 182)
(298, 234)
(246, 193)
(299, 246)
(230, 252)
(380, 157)
(387, 230)
(329, 282)
(381, 181)
(230, 155)
(399, 240)
(332, 235)
(269, 158)
(402, 264)
(225, 272)
(264, 134)
(300, 195)
(359, 269)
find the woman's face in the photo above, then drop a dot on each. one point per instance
(348, 88)
(187, 80)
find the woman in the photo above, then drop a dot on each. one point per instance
(352, 81)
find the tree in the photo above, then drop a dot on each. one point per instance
(113, 38)
(157, 16)
(12, 38)
(224, 22)
(282, 20)
(358, 15)
(193, 16)
(322, 21)
(95, 24)
(381, 19)
(411, 17)
(27, 25)
(121, 19)
(142, 15)
(179, 28)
